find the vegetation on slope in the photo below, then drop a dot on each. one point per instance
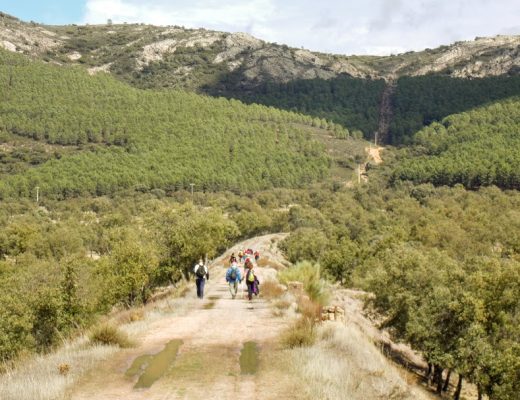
(476, 148)
(254, 71)
(419, 101)
(145, 139)
(443, 262)
(444, 265)
(351, 102)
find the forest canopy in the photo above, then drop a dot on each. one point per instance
(131, 138)
(476, 148)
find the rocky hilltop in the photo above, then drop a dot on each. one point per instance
(173, 56)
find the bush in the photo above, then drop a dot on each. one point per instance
(107, 334)
(309, 274)
(300, 334)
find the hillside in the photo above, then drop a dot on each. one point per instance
(95, 135)
(152, 147)
(347, 90)
(477, 148)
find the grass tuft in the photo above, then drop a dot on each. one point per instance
(107, 334)
(301, 334)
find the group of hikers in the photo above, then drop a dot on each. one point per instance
(234, 276)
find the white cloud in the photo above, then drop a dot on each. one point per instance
(349, 27)
(207, 14)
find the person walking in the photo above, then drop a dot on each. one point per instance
(233, 278)
(201, 274)
(251, 281)
(232, 259)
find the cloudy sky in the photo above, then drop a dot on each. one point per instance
(338, 26)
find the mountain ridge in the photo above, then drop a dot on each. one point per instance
(197, 59)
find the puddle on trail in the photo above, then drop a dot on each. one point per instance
(138, 365)
(213, 298)
(154, 365)
(249, 358)
(209, 305)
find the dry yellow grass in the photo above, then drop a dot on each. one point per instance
(271, 289)
(268, 263)
(343, 363)
(128, 316)
(48, 376)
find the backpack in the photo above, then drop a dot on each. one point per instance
(233, 274)
(201, 272)
(250, 276)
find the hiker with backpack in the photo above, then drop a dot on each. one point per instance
(201, 274)
(233, 278)
(232, 259)
(252, 281)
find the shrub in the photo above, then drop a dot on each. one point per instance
(309, 275)
(110, 335)
(300, 334)
(308, 308)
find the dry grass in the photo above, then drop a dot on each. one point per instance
(49, 376)
(129, 316)
(308, 308)
(268, 263)
(284, 306)
(271, 290)
(342, 361)
(302, 333)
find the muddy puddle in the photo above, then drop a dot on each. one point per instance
(249, 358)
(151, 367)
(139, 365)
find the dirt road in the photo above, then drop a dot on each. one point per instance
(213, 332)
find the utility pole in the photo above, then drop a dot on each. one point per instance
(192, 184)
(37, 194)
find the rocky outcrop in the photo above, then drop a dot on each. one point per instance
(255, 60)
(33, 39)
(477, 59)
(157, 50)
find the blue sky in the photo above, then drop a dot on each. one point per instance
(57, 12)
(337, 26)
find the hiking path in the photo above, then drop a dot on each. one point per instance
(212, 330)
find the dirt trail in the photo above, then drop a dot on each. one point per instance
(375, 154)
(213, 331)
